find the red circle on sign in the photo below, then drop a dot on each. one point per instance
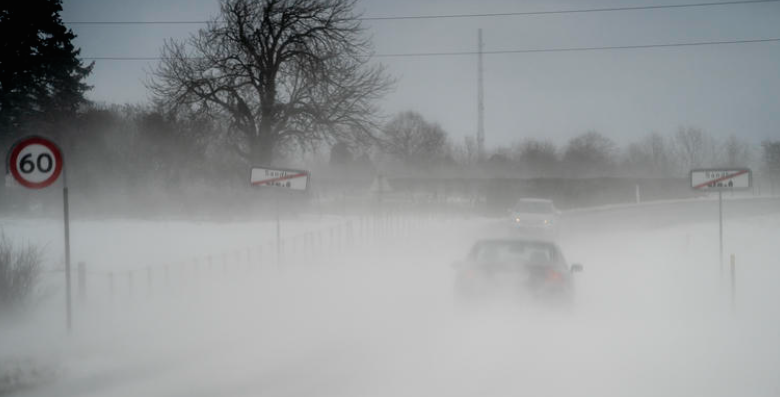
(35, 140)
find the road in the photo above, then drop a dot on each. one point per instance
(652, 318)
(666, 214)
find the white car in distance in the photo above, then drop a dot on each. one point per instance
(535, 216)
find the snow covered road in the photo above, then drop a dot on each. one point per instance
(652, 317)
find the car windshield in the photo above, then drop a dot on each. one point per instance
(522, 253)
(533, 207)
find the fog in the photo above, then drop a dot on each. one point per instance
(373, 312)
(372, 198)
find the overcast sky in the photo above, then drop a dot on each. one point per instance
(624, 94)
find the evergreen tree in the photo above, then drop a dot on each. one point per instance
(41, 75)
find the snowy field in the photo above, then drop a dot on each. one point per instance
(372, 313)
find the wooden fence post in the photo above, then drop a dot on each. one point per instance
(82, 279)
(111, 285)
(149, 279)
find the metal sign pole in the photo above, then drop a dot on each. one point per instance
(67, 250)
(278, 235)
(720, 179)
(720, 222)
(281, 179)
(36, 163)
(733, 284)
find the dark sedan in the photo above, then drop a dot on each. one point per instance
(530, 269)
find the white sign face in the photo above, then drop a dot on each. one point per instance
(35, 162)
(297, 180)
(721, 179)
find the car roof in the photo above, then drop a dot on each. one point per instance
(517, 240)
(534, 200)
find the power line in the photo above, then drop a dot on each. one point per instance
(573, 49)
(574, 11)
(139, 22)
(454, 16)
(498, 52)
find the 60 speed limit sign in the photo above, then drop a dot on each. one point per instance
(35, 162)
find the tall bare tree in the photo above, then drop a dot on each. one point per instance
(650, 156)
(466, 153)
(771, 162)
(657, 147)
(280, 72)
(537, 158)
(590, 154)
(413, 140)
(693, 148)
(735, 152)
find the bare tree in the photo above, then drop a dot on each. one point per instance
(636, 161)
(340, 155)
(413, 140)
(20, 271)
(657, 147)
(280, 72)
(500, 163)
(465, 153)
(693, 148)
(537, 158)
(590, 154)
(735, 152)
(649, 157)
(771, 160)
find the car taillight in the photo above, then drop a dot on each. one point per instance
(554, 276)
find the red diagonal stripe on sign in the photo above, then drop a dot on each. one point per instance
(721, 179)
(281, 178)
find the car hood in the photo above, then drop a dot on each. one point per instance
(534, 217)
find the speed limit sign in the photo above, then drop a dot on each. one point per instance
(35, 162)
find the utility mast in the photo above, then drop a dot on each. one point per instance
(480, 102)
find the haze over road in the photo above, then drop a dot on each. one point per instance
(651, 318)
(664, 214)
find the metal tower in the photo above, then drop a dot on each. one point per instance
(480, 102)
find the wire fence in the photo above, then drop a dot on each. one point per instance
(320, 246)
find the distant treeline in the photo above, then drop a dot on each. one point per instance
(141, 160)
(303, 92)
